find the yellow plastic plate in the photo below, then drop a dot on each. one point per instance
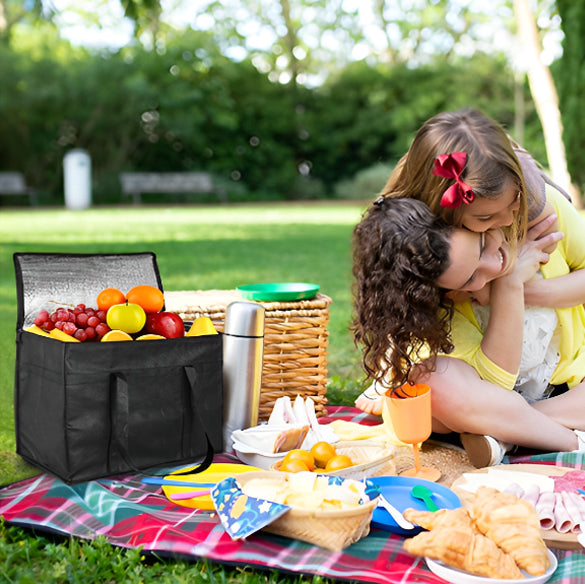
(214, 474)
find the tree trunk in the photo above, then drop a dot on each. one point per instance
(545, 98)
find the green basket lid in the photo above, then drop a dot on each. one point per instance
(279, 291)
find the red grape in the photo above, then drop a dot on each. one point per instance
(82, 322)
(69, 328)
(101, 329)
(42, 318)
(82, 319)
(80, 335)
(93, 321)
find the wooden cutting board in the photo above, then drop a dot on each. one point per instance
(552, 538)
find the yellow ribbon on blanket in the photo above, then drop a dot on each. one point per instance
(355, 431)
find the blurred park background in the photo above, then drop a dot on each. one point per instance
(278, 99)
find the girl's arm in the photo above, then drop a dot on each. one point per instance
(563, 290)
(502, 340)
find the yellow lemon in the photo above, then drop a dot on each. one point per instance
(58, 334)
(116, 335)
(37, 330)
(202, 326)
(149, 337)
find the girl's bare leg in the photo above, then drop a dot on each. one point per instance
(567, 409)
(463, 402)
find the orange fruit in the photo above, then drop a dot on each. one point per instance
(108, 297)
(338, 462)
(150, 337)
(303, 455)
(149, 297)
(293, 465)
(322, 452)
(116, 335)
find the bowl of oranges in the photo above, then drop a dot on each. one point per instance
(355, 459)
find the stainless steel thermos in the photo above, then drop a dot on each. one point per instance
(243, 351)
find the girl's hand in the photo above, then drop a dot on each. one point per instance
(551, 227)
(540, 243)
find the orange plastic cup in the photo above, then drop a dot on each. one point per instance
(411, 414)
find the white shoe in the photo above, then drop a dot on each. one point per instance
(370, 400)
(483, 450)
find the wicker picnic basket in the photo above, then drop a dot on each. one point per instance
(331, 529)
(295, 342)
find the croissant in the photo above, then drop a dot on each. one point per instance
(513, 525)
(464, 549)
(441, 518)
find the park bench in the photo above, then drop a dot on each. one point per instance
(13, 183)
(134, 184)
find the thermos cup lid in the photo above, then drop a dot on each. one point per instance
(244, 319)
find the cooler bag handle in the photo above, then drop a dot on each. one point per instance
(206, 462)
(120, 413)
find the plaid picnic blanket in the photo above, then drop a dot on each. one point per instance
(129, 513)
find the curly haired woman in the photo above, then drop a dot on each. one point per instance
(412, 328)
(497, 184)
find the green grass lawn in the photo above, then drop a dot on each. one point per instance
(197, 248)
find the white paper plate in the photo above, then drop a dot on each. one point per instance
(458, 577)
(255, 458)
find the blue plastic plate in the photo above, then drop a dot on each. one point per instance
(397, 491)
(279, 291)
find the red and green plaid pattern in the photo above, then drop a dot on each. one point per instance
(131, 514)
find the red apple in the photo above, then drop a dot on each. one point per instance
(167, 324)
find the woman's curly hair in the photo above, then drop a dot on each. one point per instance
(401, 316)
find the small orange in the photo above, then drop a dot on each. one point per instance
(322, 452)
(338, 462)
(293, 465)
(149, 297)
(108, 297)
(303, 455)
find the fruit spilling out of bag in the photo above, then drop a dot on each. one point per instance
(117, 317)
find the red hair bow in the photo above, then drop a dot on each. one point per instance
(451, 166)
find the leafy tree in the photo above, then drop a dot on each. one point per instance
(419, 31)
(146, 15)
(367, 115)
(302, 40)
(13, 12)
(569, 74)
(543, 91)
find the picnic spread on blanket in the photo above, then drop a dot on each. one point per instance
(229, 465)
(129, 512)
